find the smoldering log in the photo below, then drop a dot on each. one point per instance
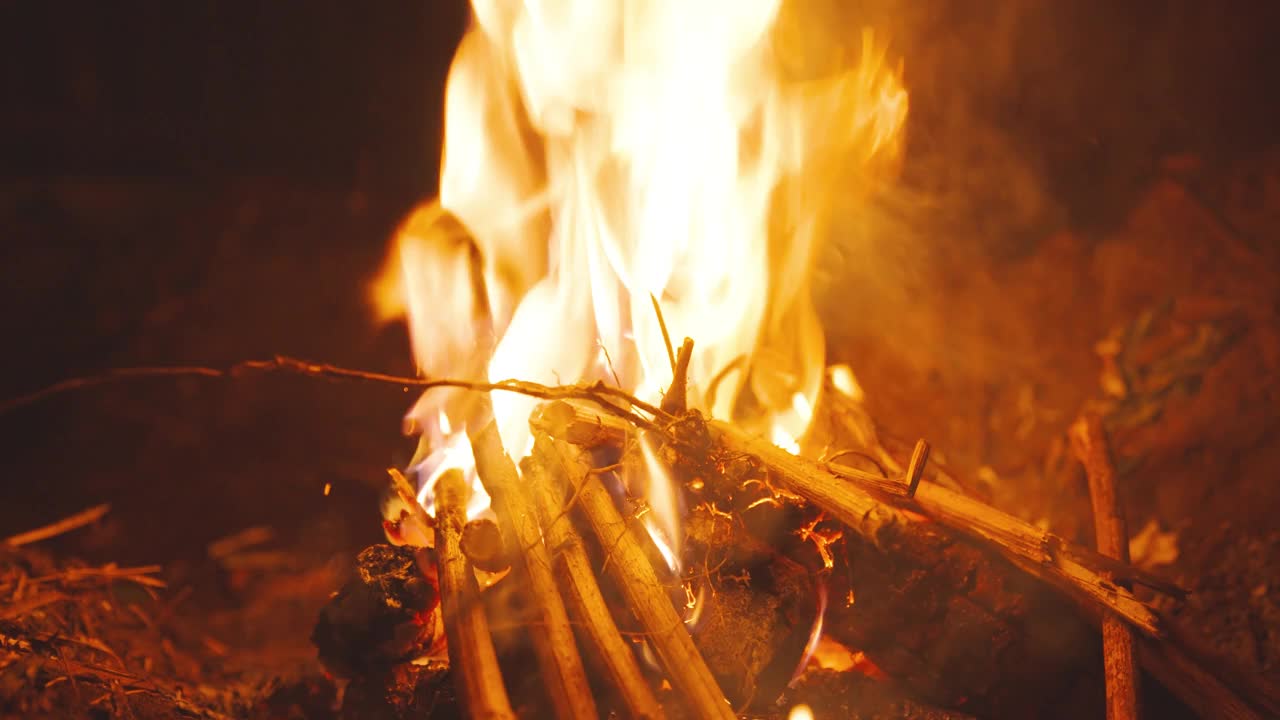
(756, 607)
(483, 545)
(376, 620)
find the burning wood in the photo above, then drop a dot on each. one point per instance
(1068, 568)
(381, 618)
(587, 180)
(718, 462)
(561, 667)
(471, 654)
(629, 566)
(577, 580)
(483, 545)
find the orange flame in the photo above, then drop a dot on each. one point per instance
(600, 152)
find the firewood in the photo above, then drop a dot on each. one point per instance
(1119, 656)
(483, 545)
(549, 482)
(629, 566)
(1196, 678)
(553, 640)
(472, 658)
(1033, 549)
(373, 622)
(1078, 573)
(924, 572)
(676, 400)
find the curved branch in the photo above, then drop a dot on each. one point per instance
(613, 400)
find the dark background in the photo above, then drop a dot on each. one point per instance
(204, 182)
(331, 93)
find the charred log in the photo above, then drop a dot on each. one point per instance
(380, 617)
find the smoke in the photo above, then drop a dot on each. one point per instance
(1027, 118)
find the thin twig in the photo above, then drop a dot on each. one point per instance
(140, 575)
(915, 469)
(666, 336)
(676, 401)
(401, 487)
(598, 393)
(65, 525)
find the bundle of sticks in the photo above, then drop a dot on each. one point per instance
(961, 605)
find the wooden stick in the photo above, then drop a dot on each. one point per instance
(1036, 551)
(552, 636)
(1119, 658)
(547, 477)
(65, 525)
(915, 469)
(613, 400)
(857, 498)
(1197, 678)
(471, 653)
(1079, 573)
(676, 400)
(630, 568)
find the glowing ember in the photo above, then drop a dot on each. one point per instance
(601, 153)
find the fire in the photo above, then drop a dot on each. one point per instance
(602, 153)
(800, 712)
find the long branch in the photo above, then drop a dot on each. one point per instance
(599, 393)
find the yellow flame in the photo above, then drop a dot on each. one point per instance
(843, 380)
(600, 152)
(800, 712)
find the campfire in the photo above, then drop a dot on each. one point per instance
(642, 487)
(697, 528)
